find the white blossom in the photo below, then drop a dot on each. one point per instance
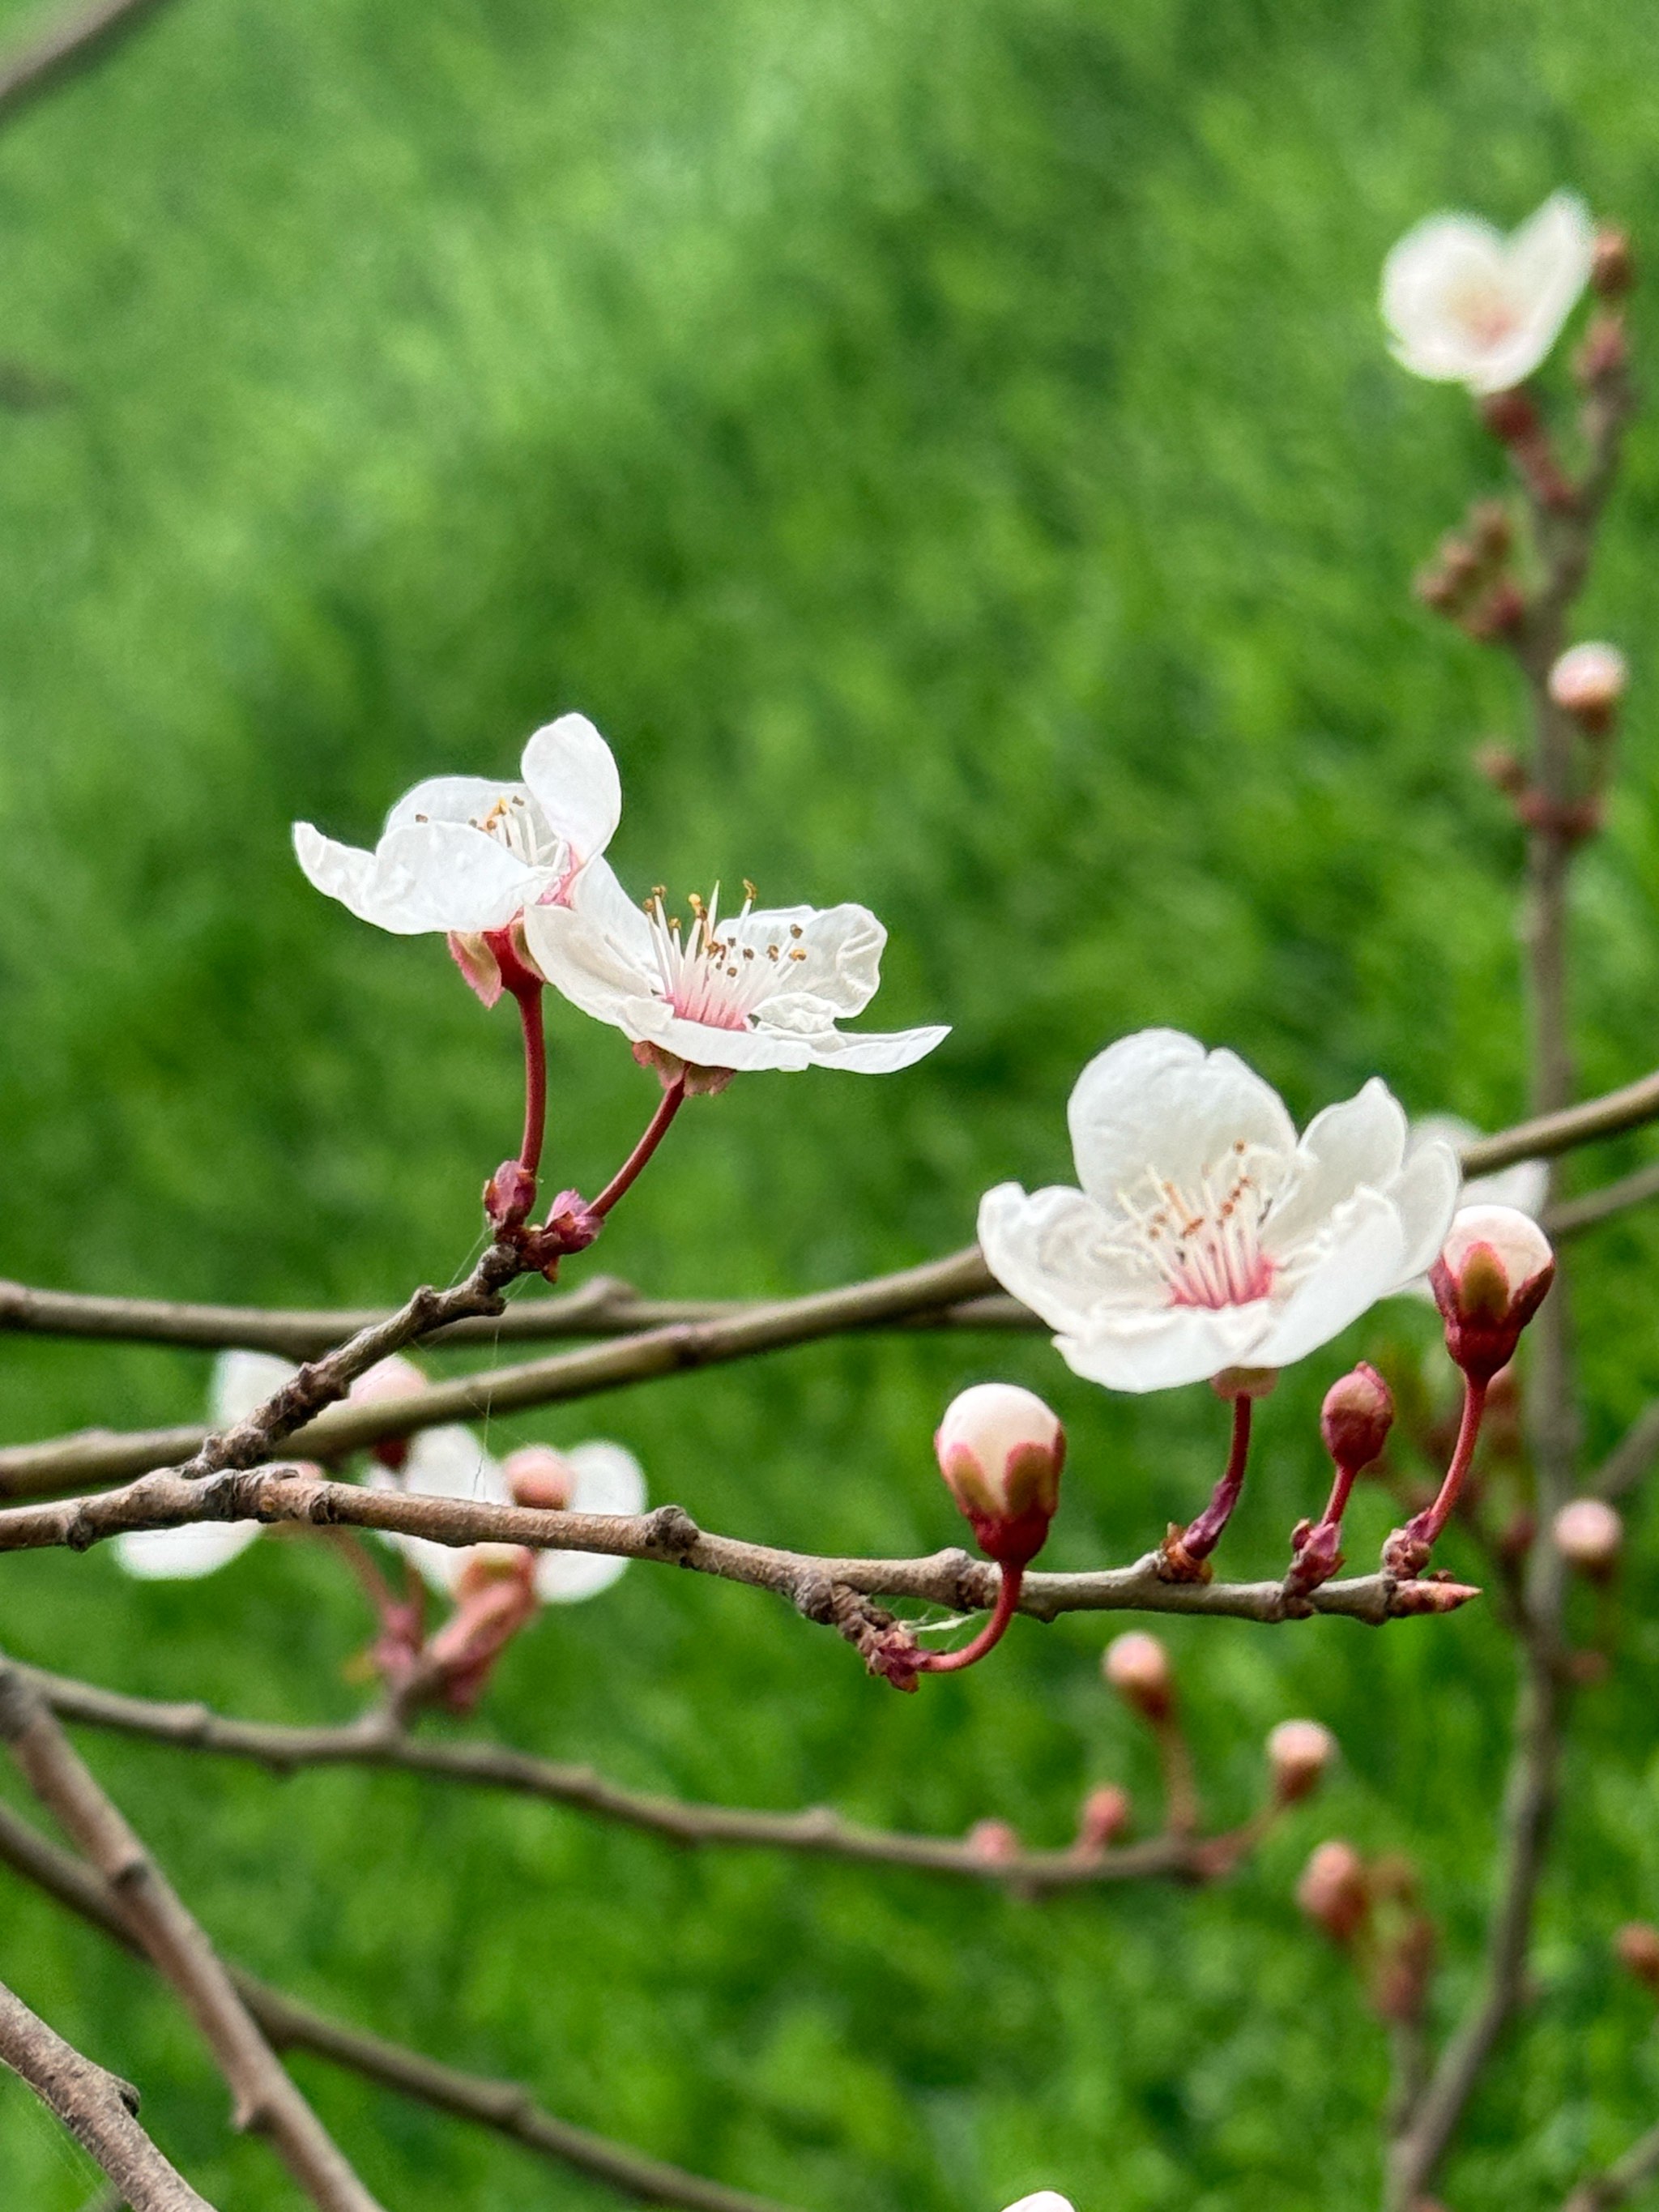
(465, 855)
(451, 1462)
(1466, 305)
(757, 988)
(1206, 1235)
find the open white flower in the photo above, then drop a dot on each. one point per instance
(1466, 305)
(1206, 1235)
(242, 1380)
(451, 1462)
(465, 855)
(749, 990)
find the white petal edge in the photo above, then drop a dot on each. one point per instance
(572, 775)
(167, 1555)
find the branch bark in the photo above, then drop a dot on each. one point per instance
(99, 2110)
(814, 1585)
(817, 1833)
(1599, 2192)
(265, 2100)
(503, 2106)
(67, 48)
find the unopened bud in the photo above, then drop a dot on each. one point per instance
(1356, 1418)
(1333, 1891)
(391, 1378)
(1588, 1534)
(1635, 1946)
(1500, 612)
(1105, 1815)
(1000, 1450)
(1588, 682)
(1604, 355)
(1438, 590)
(1502, 768)
(508, 1196)
(1489, 1281)
(994, 1841)
(1137, 1667)
(1612, 264)
(1299, 1753)
(536, 1475)
(1490, 526)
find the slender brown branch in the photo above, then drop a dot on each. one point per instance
(813, 1584)
(68, 47)
(265, 2100)
(1629, 1458)
(1571, 1215)
(818, 1833)
(99, 2110)
(1550, 1133)
(501, 2105)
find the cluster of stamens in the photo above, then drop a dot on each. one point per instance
(1204, 1240)
(1484, 311)
(513, 821)
(705, 974)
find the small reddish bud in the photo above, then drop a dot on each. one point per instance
(1489, 1279)
(508, 1196)
(1502, 768)
(1441, 593)
(1587, 1534)
(1356, 1418)
(572, 1223)
(1138, 1667)
(1635, 1946)
(1333, 1891)
(1500, 612)
(1604, 355)
(1588, 682)
(1511, 416)
(536, 1475)
(994, 1841)
(1298, 1753)
(1491, 529)
(1000, 1450)
(1105, 1816)
(1612, 264)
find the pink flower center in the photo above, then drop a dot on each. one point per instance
(1203, 1239)
(712, 974)
(1485, 314)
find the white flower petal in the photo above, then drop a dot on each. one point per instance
(1360, 1141)
(1161, 1348)
(573, 777)
(875, 1052)
(465, 801)
(1426, 1193)
(447, 1462)
(183, 1554)
(422, 876)
(1464, 304)
(1046, 1249)
(242, 1380)
(609, 1479)
(831, 956)
(1158, 1100)
(1365, 1260)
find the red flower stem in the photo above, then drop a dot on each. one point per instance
(1007, 1604)
(1337, 1505)
(1428, 1524)
(656, 1129)
(529, 996)
(1202, 1536)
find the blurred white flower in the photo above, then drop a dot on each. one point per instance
(451, 1462)
(1466, 305)
(467, 856)
(751, 990)
(1589, 680)
(1044, 2200)
(242, 1380)
(1205, 1236)
(1525, 1185)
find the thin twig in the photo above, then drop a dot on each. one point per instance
(1629, 1458)
(503, 2105)
(818, 1833)
(1621, 2180)
(265, 2100)
(812, 1583)
(1571, 1215)
(68, 47)
(99, 2110)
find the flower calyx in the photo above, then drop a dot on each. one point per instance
(1492, 1275)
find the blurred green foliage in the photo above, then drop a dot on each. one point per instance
(949, 449)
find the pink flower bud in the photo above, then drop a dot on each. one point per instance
(1489, 1281)
(1356, 1418)
(1635, 1946)
(508, 1196)
(1333, 1891)
(1299, 1753)
(1138, 1667)
(1612, 264)
(994, 1841)
(1588, 1534)
(1000, 1450)
(1106, 1815)
(1588, 682)
(536, 1475)
(391, 1378)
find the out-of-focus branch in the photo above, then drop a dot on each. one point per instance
(503, 2105)
(828, 1590)
(1572, 1215)
(818, 1833)
(99, 2110)
(265, 2099)
(71, 44)
(1598, 2192)
(1564, 1129)
(1631, 1457)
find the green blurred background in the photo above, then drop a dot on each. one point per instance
(950, 451)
